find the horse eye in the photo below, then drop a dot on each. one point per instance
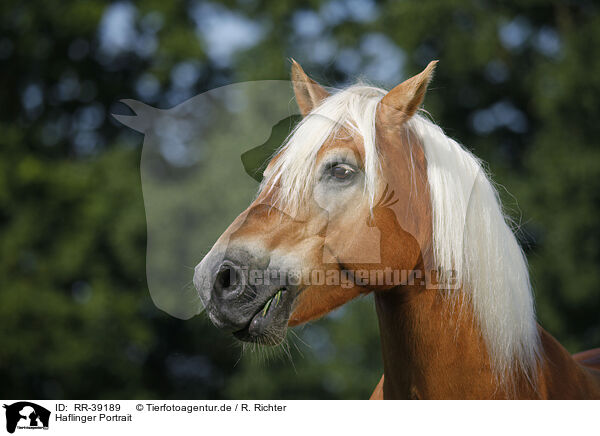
(341, 172)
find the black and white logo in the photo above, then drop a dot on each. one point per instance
(26, 415)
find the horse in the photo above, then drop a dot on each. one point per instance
(367, 195)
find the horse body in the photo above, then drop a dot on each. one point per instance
(364, 188)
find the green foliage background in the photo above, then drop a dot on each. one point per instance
(518, 82)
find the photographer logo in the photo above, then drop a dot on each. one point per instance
(26, 415)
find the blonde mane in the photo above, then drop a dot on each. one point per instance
(471, 235)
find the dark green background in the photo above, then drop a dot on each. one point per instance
(518, 82)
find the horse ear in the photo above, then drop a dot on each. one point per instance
(309, 94)
(402, 102)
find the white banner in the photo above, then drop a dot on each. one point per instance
(153, 417)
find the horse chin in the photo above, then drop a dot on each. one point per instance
(268, 325)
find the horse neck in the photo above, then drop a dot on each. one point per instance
(432, 348)
(431, 344)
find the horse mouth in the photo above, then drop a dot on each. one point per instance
(268, 325)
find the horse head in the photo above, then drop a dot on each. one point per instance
(338, 209)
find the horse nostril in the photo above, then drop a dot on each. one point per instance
(228, 282)
(224, 277)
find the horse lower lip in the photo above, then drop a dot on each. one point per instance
(264, 317)
(257, 326)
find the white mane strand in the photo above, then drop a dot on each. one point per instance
(471, 236)
(470, 231)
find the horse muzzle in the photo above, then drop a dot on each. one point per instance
(241, 295)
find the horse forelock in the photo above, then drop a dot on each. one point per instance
(293, 171)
